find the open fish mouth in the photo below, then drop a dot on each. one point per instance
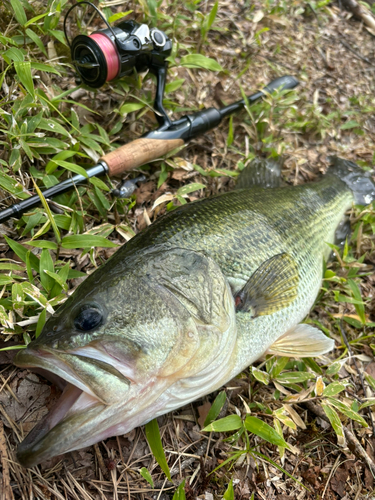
(84, 413)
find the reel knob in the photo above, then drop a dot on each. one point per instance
(158, 38)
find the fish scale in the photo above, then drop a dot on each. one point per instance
(241, 229)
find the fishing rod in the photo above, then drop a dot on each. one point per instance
(111, 53)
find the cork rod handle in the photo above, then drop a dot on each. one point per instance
(138, 153)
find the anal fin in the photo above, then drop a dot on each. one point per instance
(302, 341)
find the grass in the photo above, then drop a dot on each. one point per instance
(50, 128)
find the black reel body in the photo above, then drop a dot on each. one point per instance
(111, 53)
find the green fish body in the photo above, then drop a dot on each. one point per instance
(185, 306)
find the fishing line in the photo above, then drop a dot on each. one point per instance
(110, 54)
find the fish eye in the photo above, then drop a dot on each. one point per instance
(88, 318)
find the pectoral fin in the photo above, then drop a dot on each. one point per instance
(272, 287)
(303, 341)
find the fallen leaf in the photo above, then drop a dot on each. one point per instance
(258, 16)
(203, 412)
(179, 174)
(32, 395)
(370, 369)
(338, 481)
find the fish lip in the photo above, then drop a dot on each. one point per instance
(44, 443)
(45, 359)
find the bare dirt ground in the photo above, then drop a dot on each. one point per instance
(331, 112)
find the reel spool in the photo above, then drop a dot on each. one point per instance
(111, 53)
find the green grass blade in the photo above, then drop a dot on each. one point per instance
(13, 347)
(346, 410)
(146, 475)
(41, 323)
(19, 12)
(51, 245)
(359, 306)
(190, 188)
(212, 15)
(335, 422)
(21, 252)
(46, 264)
(154, 442)
(200, 61)
(180, 492)
(215, 408)
(86, 241)
(23, 70)
(48, 212)
(229, 494)
(72, 167)
(229, 423)
(263, 430)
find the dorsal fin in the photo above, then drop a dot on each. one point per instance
(262, 172)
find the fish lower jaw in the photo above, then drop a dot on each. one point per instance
(77, 421)
(35, 447)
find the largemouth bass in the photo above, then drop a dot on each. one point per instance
(188, 304)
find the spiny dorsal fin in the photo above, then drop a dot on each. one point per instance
(302, 341)
(272, 287)
(261, 172)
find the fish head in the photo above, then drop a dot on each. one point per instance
(127, 334)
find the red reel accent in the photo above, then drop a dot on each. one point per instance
(110, 53)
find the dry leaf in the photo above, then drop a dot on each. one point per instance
(203, 412)
(162, 199)
(258, 16)
(32, 395)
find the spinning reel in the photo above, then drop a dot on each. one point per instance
(111, 53)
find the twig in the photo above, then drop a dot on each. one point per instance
(101, 463)
(357, 54)
(5, 487)
(120, 450)
(353, 443)
(325, 60)
(360, 12)
(314, 12)
(333, 470)
(343, 333)
(186, 463)
(11, 423)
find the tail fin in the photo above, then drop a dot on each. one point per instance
(261, 172)
(357, 180)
